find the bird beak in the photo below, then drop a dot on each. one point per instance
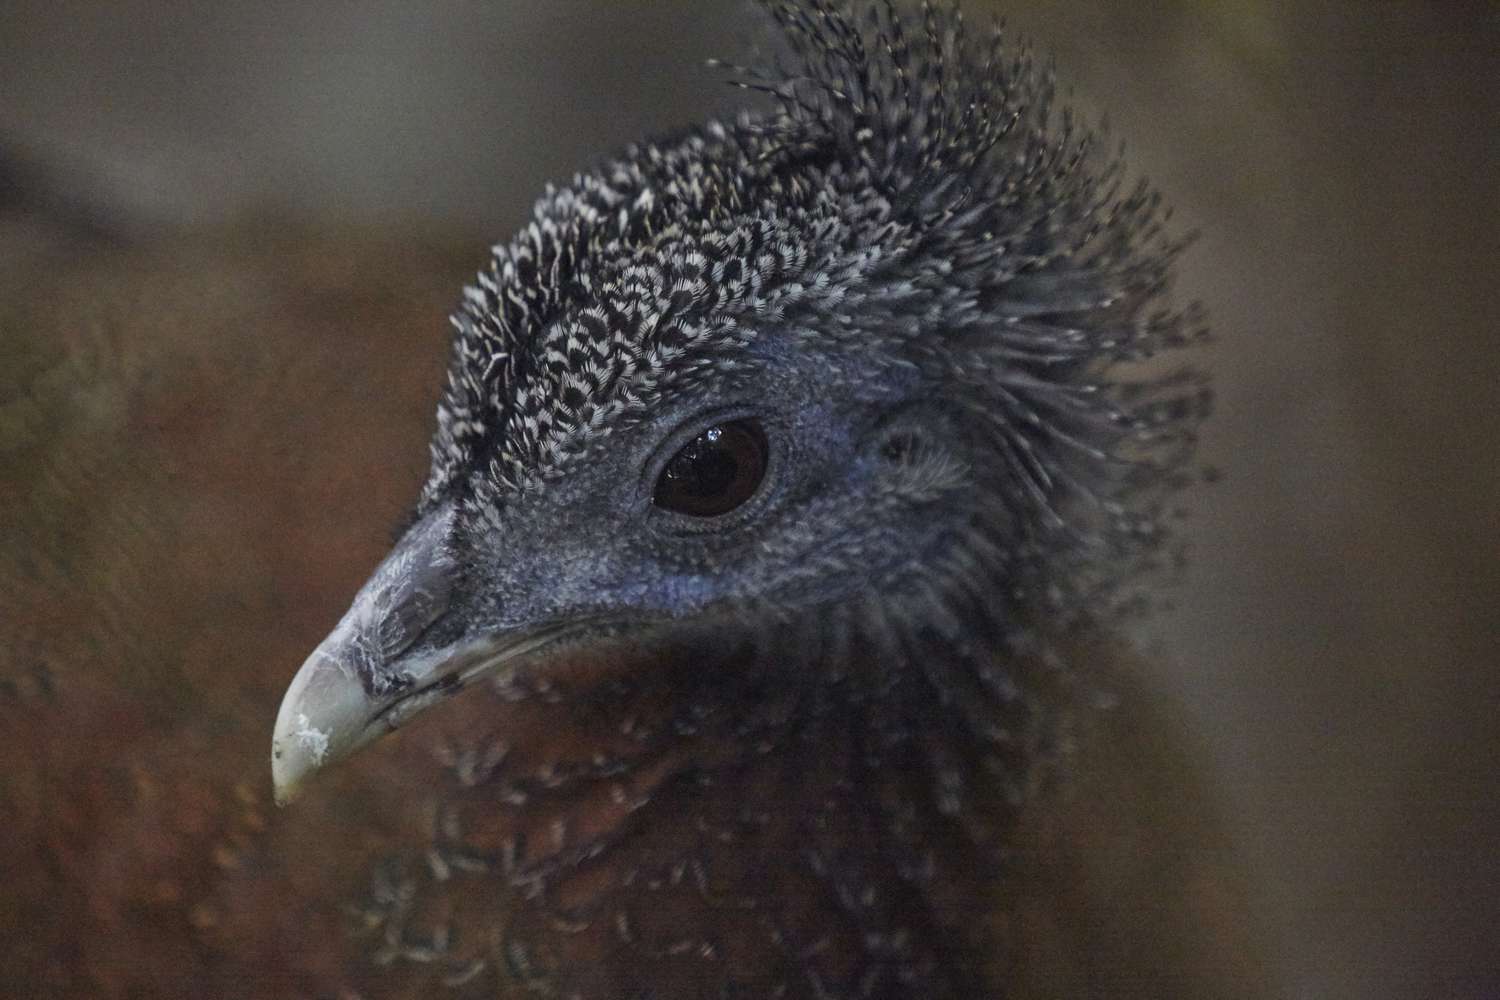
(379, 667)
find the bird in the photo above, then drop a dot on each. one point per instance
(781, 469)
(757, 626)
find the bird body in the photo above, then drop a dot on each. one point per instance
(788, 475)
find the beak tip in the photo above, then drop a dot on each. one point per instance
(287, 772)
(320, 720)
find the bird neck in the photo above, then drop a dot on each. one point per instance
(765, 816)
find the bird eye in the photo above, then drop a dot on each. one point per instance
(714, 473)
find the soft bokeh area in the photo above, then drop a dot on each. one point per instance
(1335, 644)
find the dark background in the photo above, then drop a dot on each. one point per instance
(1336, 642)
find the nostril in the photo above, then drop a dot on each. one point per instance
(900, 447)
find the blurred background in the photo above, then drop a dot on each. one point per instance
(1335, 647)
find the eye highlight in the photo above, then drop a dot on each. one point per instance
(715, 472)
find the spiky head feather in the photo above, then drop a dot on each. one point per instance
(915, 192)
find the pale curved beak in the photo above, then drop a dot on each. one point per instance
(328, 712)
(405, 644)
(397, 652)
(375, 670)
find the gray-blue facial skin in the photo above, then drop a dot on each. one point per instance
(589, 552)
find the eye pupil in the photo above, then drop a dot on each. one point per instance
(715, 472)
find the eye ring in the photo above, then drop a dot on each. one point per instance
(716, 472)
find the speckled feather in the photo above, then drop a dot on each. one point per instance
(914, 192)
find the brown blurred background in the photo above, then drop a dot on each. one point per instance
(1336, 645)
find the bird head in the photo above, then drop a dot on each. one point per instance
(837, 404)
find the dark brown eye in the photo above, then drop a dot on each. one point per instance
(716, 472)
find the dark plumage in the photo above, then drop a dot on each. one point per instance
(781, 751)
